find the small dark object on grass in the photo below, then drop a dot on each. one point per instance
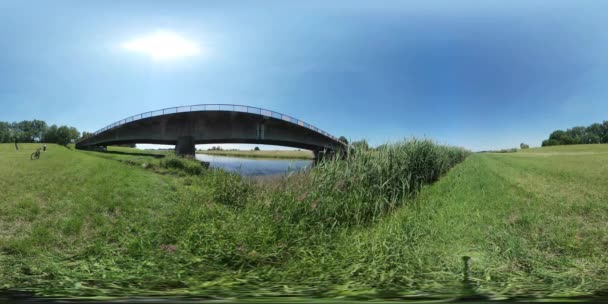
(169, 248)
(466, 260)
(468, 291)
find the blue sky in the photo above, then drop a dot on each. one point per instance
(478, 74)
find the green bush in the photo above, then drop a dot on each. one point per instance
(228, 188)
(189, 166)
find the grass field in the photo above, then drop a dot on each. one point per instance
(294, 154)
(83, 223)
(532, 222)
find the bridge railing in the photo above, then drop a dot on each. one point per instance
(211, 107)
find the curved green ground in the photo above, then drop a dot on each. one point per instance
(82, 223)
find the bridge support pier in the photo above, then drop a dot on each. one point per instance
(185, 146)
(321, 155)
(328, 154)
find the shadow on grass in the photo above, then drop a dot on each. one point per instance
(132, 153)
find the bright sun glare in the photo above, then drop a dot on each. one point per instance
(163, 45)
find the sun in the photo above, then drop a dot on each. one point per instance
(163, 45)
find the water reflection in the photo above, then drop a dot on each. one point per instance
(254, 166)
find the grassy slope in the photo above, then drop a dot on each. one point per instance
(138, 151)
(532, 221)
(302, 154)
(70, 206)
(132, 154)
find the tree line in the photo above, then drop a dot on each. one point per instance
(593, 134)
(29, 131)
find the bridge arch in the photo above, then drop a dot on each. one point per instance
(187, 126)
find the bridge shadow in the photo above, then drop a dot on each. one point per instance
(155, 155)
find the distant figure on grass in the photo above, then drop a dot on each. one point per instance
(16, 146)
(44, 148)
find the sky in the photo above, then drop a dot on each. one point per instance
(477, 74)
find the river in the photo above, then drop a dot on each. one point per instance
(254, 166)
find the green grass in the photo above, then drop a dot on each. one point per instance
(569, 149)
(531, 225)
(164, 162)
(287, 154)
(87, 223)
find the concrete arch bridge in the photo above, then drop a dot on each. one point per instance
(187, 126)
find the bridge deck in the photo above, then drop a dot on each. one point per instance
(216, 123)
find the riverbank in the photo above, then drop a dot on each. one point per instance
(89, 223)
(282, 154)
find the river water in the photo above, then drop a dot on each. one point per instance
(254, 166)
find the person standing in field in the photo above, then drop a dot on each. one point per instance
(16, 146)
(44, 148)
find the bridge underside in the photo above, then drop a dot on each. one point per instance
(184, 130)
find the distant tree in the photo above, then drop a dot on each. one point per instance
(550, 142)
(523, 146)
(592, 138)
(66, 135)
(63, 135)
(74, 134)
(5, 132)
(85, 134)
(343, 139)
(604, 132)
(23, 131)
(38, 130)
(31, 130)
(578, 135)
(256, 149)
(51, 134)
(557, 136)
(592, 134)
(15, 132)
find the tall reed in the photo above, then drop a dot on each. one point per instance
(367, 183)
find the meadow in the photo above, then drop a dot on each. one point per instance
(394, 223)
